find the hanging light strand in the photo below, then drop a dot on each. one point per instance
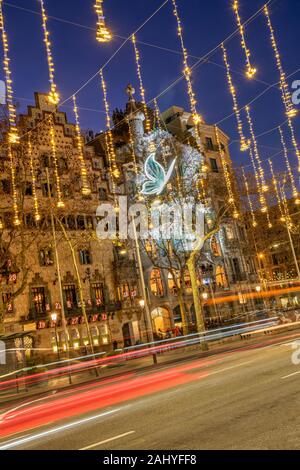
(294, 142)
(227, 176)
(262, 199)
(110, 142)
(289, 169)
(85, 189)
(291, 111)
(254, 222)
(60, 202)
(16, 220)
(53, 95)
(261, 172)
(131, 145)
(197, 119)
(157, 114)
(284, 212)
(187, 74)
(244, 144)
(103, 33)
(251, 71)
(37, 216)
(140, 78)
(13, 135)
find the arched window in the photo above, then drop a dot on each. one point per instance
(156, 284)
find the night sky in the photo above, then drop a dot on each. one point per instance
(78, 56)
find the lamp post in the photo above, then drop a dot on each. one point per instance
(54, 319)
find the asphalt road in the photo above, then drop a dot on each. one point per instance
(247, 399)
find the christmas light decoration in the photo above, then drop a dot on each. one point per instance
(254, 222)
(157, 114)
(53, 94)
(291, 111)
(37, 216)
(109, 140)
(226, 170)
(251, 71)
(142, 89)
(197, 119)
(103, 33)
(13, 135)
(290, 173)
(131, 145)
(187, 74)
(244, 143)
(261, 172)
(16, 220)
(278, 198)
(262, 199)
(60, 202)
(86, 191)
(294, 141)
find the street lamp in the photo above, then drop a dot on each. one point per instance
(54, 320)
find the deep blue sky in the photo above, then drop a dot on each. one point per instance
(77, 56)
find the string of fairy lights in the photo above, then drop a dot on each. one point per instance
(251, 71)
(140, 79)
(37, 215)
(109, 139)
(86, 190)
(228, 179)
(104, 35)
(288, 166)
(53, 94)
(244, 144)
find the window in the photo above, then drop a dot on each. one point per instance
(39, 300)
(70, 296)
(80, 222)
(7, 301)
(156, 284)
(214, 165)
(71, 222)
(98, 292)
(102, 194)
(236, 269)
(209, 143)
(6, 186)
(85, 256)
(46, 257)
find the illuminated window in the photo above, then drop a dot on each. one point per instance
(221, 279)
(85, 256)
(98, 292)
(39, 300)
(156, 284)
(215, 247)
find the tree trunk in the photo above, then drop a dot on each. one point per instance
(197, 302)
(182, 312)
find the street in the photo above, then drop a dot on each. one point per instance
(246, 399)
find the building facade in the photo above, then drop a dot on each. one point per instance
(89, 268)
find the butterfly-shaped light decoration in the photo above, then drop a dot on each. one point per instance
(157, 178)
